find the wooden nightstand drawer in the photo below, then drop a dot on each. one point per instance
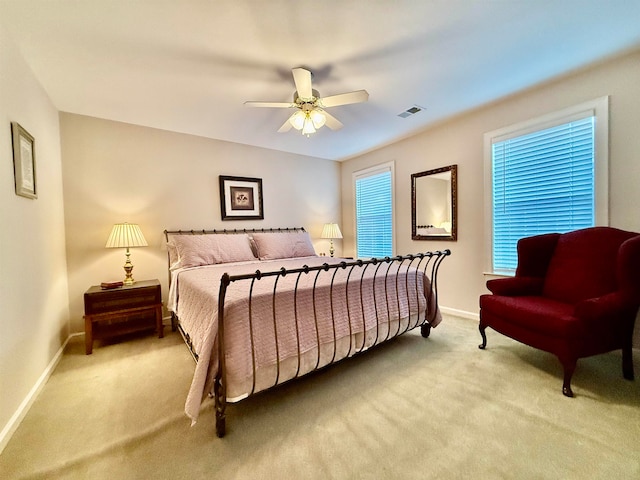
(122, 310)
(101, 301)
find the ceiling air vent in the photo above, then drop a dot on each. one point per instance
(410, 111)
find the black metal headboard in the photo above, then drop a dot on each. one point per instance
(234, 230)
(223, 231)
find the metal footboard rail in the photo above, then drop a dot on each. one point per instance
(426, 264)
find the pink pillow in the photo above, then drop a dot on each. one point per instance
(195, 250)
(271, 246)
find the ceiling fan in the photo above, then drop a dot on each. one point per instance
(310, 113)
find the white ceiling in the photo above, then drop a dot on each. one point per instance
(189, 65)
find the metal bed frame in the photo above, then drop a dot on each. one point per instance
(427, 263)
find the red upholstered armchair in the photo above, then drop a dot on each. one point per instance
(574, 295)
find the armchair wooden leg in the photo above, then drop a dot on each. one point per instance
(482, 329)
(569, 368)
(627, 362)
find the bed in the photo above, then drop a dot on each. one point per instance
(258, 307)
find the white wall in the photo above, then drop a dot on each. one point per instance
(460, 141)
(116, 172)
(33, 279)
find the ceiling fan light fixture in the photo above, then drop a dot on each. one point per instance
(297, 120)
(318, 118)
(308, 127)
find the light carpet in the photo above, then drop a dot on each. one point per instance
(413, 408)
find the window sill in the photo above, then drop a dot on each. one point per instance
(498, 274)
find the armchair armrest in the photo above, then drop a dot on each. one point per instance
(629, 265)
(516, 286)
(610, 308)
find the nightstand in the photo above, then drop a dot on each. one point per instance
(117, 311)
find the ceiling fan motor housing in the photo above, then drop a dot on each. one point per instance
(301, 102)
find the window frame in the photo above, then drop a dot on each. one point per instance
(368, 172)
(599, 109)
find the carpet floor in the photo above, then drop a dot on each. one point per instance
(413, 408)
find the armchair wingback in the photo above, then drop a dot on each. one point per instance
(574, 295)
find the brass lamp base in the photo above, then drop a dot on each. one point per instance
(128, 267)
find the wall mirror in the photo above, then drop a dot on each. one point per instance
(434, 204)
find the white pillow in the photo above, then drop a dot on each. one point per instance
(274, 245)
(209, 249)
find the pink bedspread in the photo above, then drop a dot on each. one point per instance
(314, 326)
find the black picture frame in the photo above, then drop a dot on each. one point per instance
(241, 198)
(24, 161)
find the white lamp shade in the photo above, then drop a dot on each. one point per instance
(126, 235)
(318, 118)
(331, 230)
(308, 127)
(297, 120)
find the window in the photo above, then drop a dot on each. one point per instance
(374, 211)
(546, 176)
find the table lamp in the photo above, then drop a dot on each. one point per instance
(126, 235)
(331, 231)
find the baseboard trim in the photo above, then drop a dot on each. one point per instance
(460, 313)
(14, 422)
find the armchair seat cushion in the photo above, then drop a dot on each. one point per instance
(538, 314)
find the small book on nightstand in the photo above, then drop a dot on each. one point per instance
(110, 285)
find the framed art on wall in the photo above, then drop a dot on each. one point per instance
(24, 161)
(241, 198)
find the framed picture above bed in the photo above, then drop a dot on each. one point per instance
(24, 161)
(241, 198)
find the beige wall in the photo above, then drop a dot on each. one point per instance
(33, 276)
(115, 172)
(460, 141)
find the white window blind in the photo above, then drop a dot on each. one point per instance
(374, 213)
(542, 182)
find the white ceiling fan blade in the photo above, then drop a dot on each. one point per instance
(270, 104)
(345, 98)
(286, 126)
(302, 79)
(332, 122)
